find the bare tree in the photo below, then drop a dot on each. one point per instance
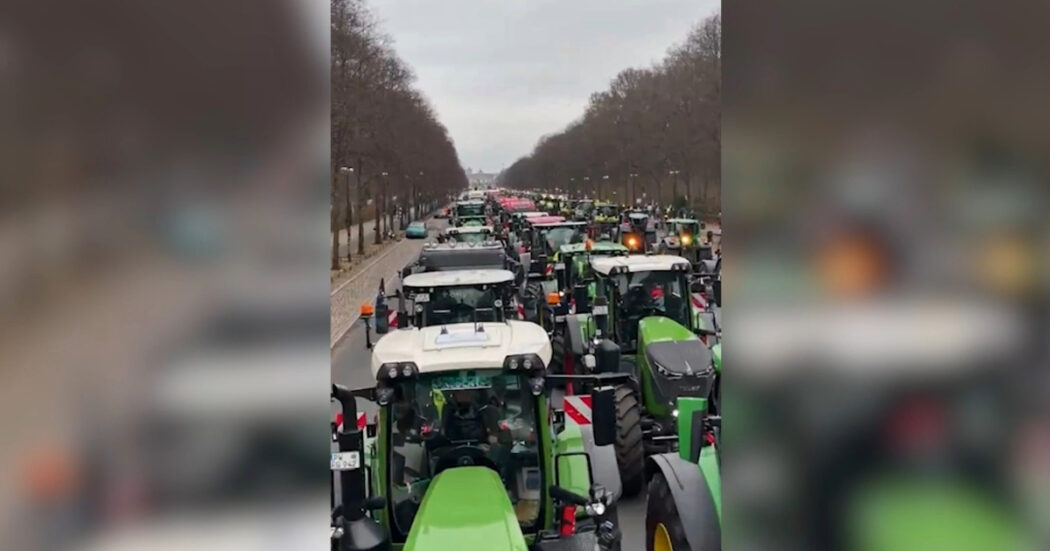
(654, 132)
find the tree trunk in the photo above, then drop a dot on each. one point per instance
(335, 249)
(377, 213)
(334, 223)
(348, 220)
(360, 216)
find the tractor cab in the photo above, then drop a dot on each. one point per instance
(603, 222)
(575, 278)
(642, 287)
(466, 452)
(583, 209)
(685, 237)
(545, 238)
(465, 211)
(457, 296)
(636, 231)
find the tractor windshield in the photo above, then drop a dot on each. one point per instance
(691, 229)
(659, 293)
(463, 418)
(606, 211)
(470, 209)
(468, 237)
(556, 237)
(462, 304)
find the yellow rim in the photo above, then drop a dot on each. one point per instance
(661, 539)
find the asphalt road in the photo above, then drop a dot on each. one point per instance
(350, 367)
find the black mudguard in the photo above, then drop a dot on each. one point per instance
(692, 498)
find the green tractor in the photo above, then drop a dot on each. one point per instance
(464, 452)
(643, 314)
(684, 237)
(683, 508)
(572, 274)
(604, 220)
(470, 213)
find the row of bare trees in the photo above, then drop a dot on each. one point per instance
(389, 152)
(653, 136)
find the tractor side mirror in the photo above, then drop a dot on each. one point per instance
(583, 301)
(607, 356)
(382, 318)
(603, 415)
(601, 311)
(375, 503)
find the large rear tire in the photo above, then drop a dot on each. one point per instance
(663, 526)
(534, 300)
(630, 452)
(558, 352)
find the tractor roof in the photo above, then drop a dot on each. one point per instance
(461, 256)
(639, 263)
(455, 278)
(471, 202)
(638, 215)
(561, 224)
(683, 221)
(461, 346)
(536, 220)
(530, 214)
(470, 229)
(596, 247)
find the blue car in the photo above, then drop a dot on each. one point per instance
(416, 230)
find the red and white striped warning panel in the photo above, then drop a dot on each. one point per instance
(391, 318)
(362, 421)
(578, 409)
(698, 301)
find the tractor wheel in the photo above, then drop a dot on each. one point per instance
(630, 453)
(534, 297)
(557, 365)
(663, 526)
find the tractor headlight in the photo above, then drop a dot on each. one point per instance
(397, 370)
(527, 362)
(384, 394)
(536, 385)
(665, 372)
(687, 239)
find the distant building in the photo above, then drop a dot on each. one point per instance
(480, 180)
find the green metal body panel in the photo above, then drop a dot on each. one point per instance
(572, 471)
(466, 508)
(686, 407)
(712, 475)
(651, 330)
(716, 354)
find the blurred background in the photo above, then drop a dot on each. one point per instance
(163, 304)
(884, 196)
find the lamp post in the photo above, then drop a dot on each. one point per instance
(605, 185)
(674, 184)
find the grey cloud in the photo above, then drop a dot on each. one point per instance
(503, 73)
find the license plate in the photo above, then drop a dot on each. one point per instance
(559, 319)
(346, 461)
(601, 311)
(559, 266)
(422, 297)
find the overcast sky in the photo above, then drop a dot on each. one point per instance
(502, 73)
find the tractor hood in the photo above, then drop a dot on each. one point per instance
(466, 508)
